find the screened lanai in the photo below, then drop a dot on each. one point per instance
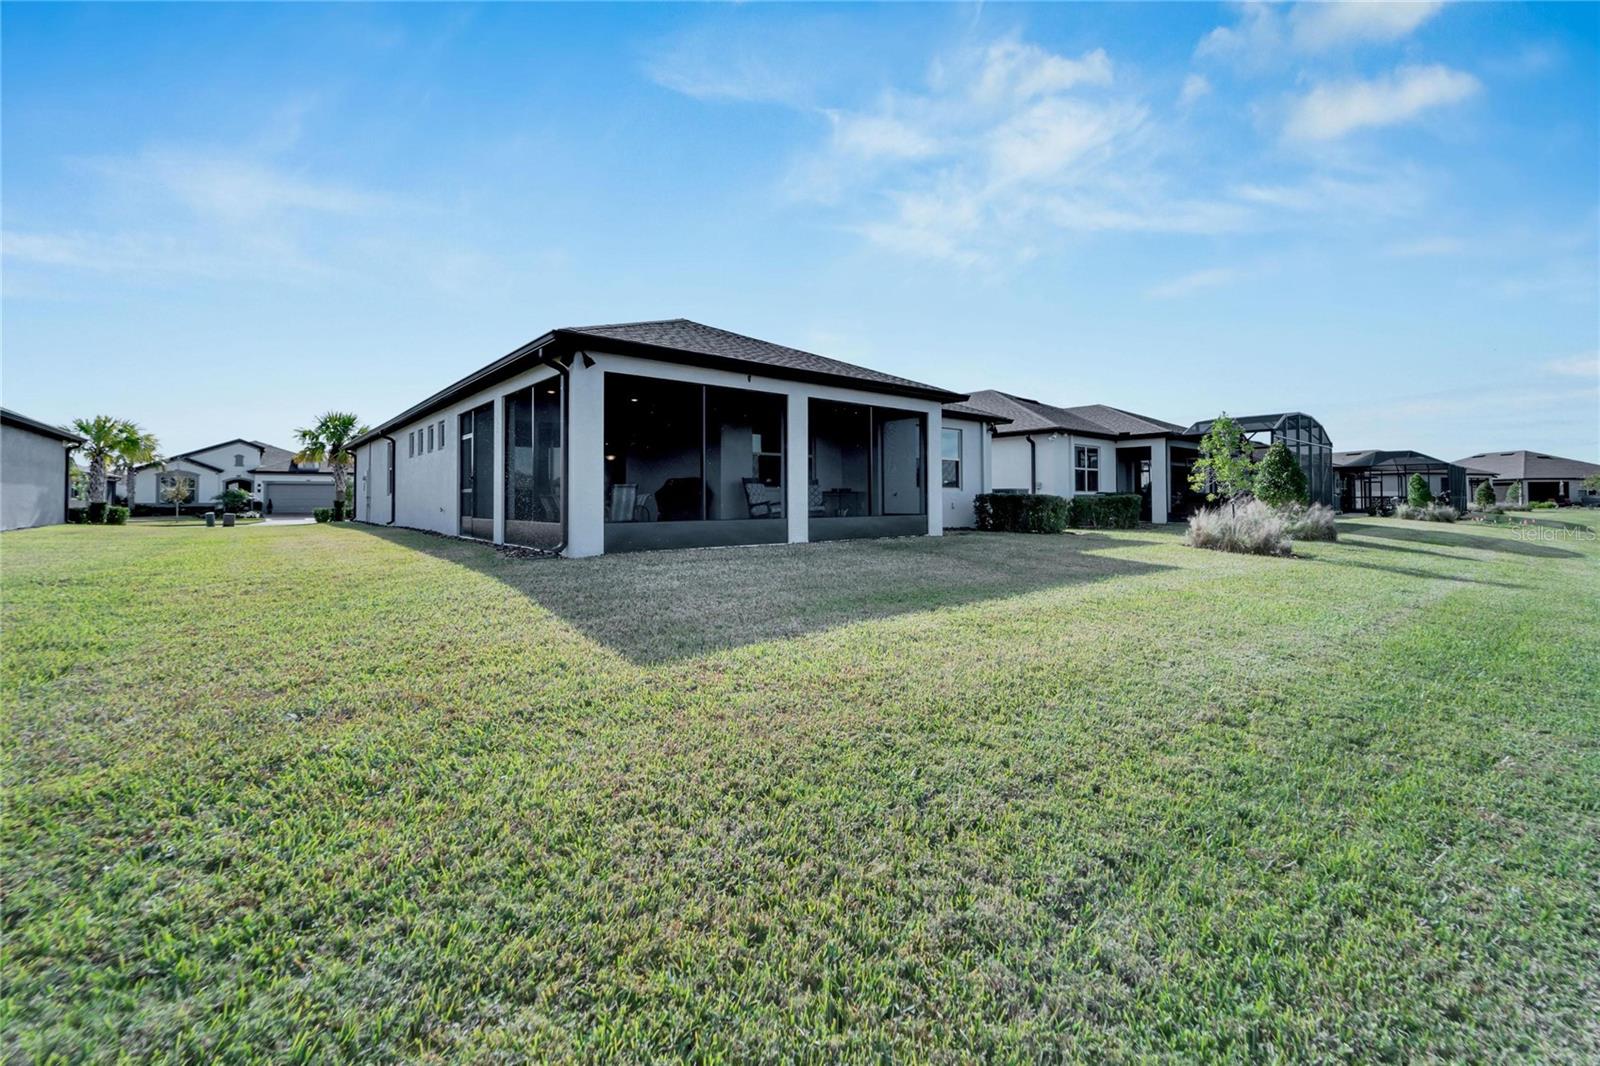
(1375, 481)
(1304, 437)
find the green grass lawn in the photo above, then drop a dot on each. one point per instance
(307, 792)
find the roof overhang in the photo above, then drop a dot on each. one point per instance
(33, 425)
(561, 344)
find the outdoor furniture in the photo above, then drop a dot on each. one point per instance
(764, 501)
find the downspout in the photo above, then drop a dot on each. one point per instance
(394, 482)
(1033, 464)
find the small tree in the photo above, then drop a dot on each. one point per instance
(329, 442)
(1417, 493)
(1225, 469)
(1592, 483)
(176, 490)
(232, 500)
(1280, 481)
(1514, 492)
(104, 437)
(136, 449)
(1485, 495)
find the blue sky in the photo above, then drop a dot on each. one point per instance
(222, 220)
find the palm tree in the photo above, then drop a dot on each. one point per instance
(138, 447)
(103, 437)
(329, 442)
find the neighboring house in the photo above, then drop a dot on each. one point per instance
(1370, 479)
(35, 471)
(268, 474)
(667, 434)
(1541, 476)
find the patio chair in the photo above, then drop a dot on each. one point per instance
(765, 501)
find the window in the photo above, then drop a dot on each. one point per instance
(533, 464)
(441, 434)
(866, 462)
(950, 457)
(411, 445)
(1086, 470)
(238, 460)
(430, 436)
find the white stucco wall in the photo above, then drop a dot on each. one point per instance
(427, 485)
(976, 473)
(33, 479)
(1055, 468)
(146, 488)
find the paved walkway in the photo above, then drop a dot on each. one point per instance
(288, 520)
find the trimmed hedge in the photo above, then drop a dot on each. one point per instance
(322, 514)
(97, 512)
(116, 516)
(1020, 512)
(1111, 510)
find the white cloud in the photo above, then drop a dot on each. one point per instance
(1320, 26)
(1265, 35)
(1197, 281)
(880, 137)
(1052, 135)
(1578, 366)
(1013, 70)
(1195, 86)
(1331, 111)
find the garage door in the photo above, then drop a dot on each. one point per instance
(290, 498)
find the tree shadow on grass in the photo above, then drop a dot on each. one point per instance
(1413, 571)
(1451, 539)
(654, 607)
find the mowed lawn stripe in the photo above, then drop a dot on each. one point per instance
(1021, 797)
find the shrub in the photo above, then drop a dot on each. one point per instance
(1543, 505)
(78, 516)
(97, 512)
(1310, 523)
(1020, 512)
(1514, 493)
(323, 514)
(1253, 528)
(1279, 479)
(116, 516)
(1417, 494)
(1112, 510)
(1433, 512)
(1485, 497)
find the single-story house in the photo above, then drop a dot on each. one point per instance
(1540, 476)
(35, 471)
(1370, 479)
(268, 474)
(1094, 448)
(667, 434)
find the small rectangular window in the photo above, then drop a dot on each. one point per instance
(441, 434)
(1086, 470)
(950, 457)
(238, 460)
(411, 445)
(430, 436)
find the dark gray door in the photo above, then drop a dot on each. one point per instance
(289, 498)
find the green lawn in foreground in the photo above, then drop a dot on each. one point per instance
(306, 792)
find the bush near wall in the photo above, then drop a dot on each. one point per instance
(323, 514)
(1020, 512)
(1111, 510)
(116, 516)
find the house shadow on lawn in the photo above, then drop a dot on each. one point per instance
(1445, 538)
(655, 607)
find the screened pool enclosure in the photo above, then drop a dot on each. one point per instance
(1305, 439)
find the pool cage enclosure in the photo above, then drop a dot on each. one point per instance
(1376, 481)
(1305, 438)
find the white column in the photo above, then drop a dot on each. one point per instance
(934, 486)
(499, 469)
(797, 476)
(586, 468)
(1160, 474)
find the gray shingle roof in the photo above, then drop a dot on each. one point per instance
(276, 460)
(1375, 459)
(1032, 416)
(683, 335)
(33, 425)
(1528, 465)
